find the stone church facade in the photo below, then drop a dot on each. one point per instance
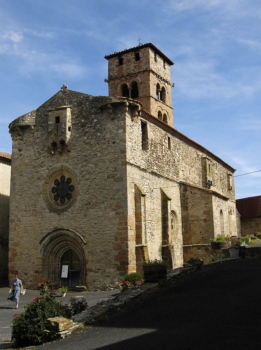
(101, 183)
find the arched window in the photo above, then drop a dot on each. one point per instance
(222, 229)
(165, 119)
(134, 90)
(160, 115)
(158, 91)
(163, 95)
(125, 90)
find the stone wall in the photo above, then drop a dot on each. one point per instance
(138, 189)
(97, 221)
(5, 174)
(250, 226)
(148, 73)
(171, 164)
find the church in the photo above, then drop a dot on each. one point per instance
(101, 183)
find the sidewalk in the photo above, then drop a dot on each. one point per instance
(7, 308)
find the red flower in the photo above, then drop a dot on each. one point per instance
(16, 314)
(39, 285)
(43, 279)
(141, 280)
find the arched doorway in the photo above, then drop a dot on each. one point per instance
(64, 247)
(72, 260)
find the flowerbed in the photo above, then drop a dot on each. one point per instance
(28, 327)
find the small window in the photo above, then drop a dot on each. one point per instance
(57, 120)
(155, 57)
(158, 91)
(144, 136)
(137, 56)
(134, 90)
(165, 119)
(125, 90)
(120, 61)
(164, 64)
(69, 128)
(169, 143)
(163, 95)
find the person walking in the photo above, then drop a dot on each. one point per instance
(15, 291)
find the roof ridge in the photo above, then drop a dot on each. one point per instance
(140, 47)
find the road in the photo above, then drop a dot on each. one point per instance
(215, 308)
(7, 308)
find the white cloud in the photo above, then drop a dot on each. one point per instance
(15, 37)
(252, 44)
(70, 70)
(235, 8)
(204, 80)
(250, 124)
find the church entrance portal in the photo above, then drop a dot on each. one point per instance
(64, 247)
(71, 259)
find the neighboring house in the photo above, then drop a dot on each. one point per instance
(5, 174)
(250, 212)
(101, 182)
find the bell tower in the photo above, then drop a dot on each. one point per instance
(143, 73)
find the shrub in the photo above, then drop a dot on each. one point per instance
(28, 327)
(77, 306)
(62, 289)
(133, 277)
(216, 257)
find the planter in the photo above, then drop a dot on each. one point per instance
(234, 252)
(230, 252)
(154, 273)
(220, 244)
(23, 291)
(64, 294)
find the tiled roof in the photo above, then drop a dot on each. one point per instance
(249, 207)
(5, 155)
(138, 48)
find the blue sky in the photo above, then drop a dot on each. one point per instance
(215, 44)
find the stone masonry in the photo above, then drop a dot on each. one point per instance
(101, 183)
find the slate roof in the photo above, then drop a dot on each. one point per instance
(249, 207)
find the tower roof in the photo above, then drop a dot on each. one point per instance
(153, 47)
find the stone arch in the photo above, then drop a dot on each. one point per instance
(159, 115)
(53, 245)
(120, 85)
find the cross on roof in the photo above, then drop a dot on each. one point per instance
(64, 87)
(139, 41)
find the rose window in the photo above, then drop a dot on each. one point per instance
(62, 189)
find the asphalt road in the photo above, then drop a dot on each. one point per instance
(215, 308)
(7, 308)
